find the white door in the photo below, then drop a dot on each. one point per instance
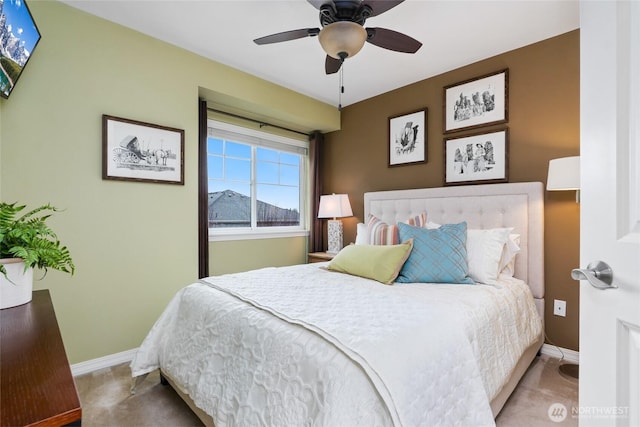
(609, 391)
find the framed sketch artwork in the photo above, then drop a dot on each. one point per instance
(477, 159)
(477, 102)
(137, 151)
(408, 138)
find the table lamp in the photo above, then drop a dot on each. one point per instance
(334, 206)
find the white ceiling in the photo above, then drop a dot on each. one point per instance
(453, 33)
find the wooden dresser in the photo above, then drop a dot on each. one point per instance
(36, 385)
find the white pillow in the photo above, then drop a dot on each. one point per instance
(484, 252)
(490, 252)
(509, 252)
(361, 234)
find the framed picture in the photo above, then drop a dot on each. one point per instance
(477, 102)
(137, 151)
(19, 36)
(477, 159)
(408, 138)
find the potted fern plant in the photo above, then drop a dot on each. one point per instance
(27, 242)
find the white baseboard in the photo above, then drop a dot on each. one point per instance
(102, 362)
(558, 352)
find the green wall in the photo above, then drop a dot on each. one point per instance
(239, 255)
(134, 244)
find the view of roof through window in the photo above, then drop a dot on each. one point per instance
(251, 180)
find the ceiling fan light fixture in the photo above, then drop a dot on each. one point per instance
(342, 37)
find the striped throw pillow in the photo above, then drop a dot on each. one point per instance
(418, 220)
(381, 233)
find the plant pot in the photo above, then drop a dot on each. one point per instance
(19, 292)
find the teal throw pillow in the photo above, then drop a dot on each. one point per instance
(438, 256)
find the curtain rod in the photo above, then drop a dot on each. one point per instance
(261, 123)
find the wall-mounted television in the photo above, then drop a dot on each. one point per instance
(18, 38)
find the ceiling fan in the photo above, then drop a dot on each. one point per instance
(343, 33)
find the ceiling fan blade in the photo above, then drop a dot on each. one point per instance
(288, 35)
(332, 65)
(380, 6)
(392, 40)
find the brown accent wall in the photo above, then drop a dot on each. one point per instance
(543, 124)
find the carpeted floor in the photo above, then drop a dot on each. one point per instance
(106, 400)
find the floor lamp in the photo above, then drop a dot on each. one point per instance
(334, 206)
(564, 174)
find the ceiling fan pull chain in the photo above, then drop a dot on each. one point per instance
(341, 91)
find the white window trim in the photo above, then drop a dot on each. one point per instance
(229, 234)
(236, 234)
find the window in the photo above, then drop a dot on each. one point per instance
(256, 183)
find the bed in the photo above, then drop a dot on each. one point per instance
(306, 345)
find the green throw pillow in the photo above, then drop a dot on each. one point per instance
(381, 263)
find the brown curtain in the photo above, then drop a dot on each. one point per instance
(316, 240)
(203, 197)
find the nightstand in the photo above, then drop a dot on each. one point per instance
(320, 257)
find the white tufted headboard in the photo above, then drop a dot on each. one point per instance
(518, 205)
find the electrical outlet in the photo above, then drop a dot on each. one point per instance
(559, 307)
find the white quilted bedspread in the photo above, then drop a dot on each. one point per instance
(350, 351)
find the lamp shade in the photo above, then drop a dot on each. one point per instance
(564, 174)
(342, 39)
(334, 206)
